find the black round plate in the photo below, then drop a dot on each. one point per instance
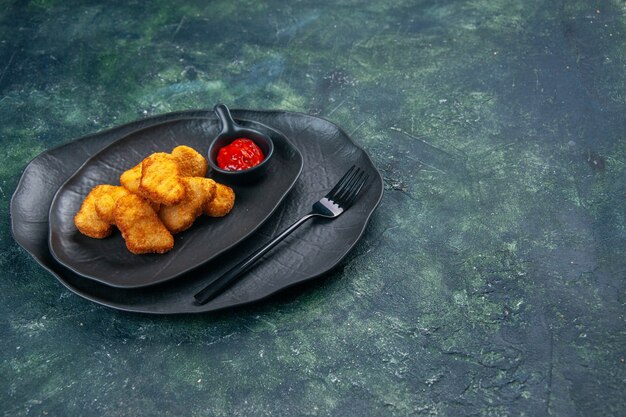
(309, 252)
(108, 261)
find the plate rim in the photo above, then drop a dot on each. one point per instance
(195, 266)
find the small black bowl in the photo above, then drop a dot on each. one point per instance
(230, 131)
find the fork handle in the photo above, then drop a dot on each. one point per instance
(218, 285)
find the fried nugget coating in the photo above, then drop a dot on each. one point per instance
(160, 179)
(105, 202)
(190, 162)
(222, 203)
(141, 227)
(131, 179)
(179, 217)
(87, 220)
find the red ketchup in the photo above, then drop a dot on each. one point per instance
(241, 154)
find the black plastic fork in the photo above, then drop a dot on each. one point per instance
(333, 204)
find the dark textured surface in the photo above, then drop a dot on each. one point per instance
(490, 280)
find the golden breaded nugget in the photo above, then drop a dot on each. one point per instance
(87, 220)
(131, 179)
(222, 203)
(105, 202)
(160, 179)
(179, 217)
(141, 227)
(190, 162)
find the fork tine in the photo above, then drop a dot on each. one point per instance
(357, 191)
(354, 190)
(331, 194)
(341, 195)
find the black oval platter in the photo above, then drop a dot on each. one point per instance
(108, 261)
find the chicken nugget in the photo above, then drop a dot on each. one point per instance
(141, 227)
(105, 202)
(131, 179)
(160, 179)
(222, 203)
(87, 220)
(190, 162)
(179, 217)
